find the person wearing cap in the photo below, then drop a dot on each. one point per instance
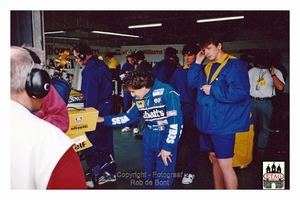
(264, 80)
(190, 135)
(164, 69)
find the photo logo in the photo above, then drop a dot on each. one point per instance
(273, 175)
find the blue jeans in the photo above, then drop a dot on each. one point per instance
(261, 115)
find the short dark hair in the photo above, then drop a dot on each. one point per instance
(210, 38)
(190, 49)
(138, 79)
(170, 52)
(109, 54)
(139, 55)
(263, 57)
(83, 48)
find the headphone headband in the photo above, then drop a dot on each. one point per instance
(38, 81)
(33, 56)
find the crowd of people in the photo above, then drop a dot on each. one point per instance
(200, 105)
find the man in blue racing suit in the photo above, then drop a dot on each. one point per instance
(159, 105)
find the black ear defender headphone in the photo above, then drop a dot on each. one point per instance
(80, 55)
(82, 50)
(38, 80)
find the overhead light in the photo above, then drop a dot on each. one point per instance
(54, 32)
(64, 38)
(117, 34)
(145, 25)
(219, 19)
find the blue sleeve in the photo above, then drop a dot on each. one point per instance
(194, 75)
(175, 122)
(123, 119)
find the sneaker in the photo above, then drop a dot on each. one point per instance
(106, 177)
(90, 184)
(135, 131)
(126, 129)
(188, 178)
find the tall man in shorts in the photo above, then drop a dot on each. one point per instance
(223, 106)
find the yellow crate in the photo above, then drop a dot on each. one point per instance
(82, 120)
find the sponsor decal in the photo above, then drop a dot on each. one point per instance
(83, 126)
(140, 104)
(172, 133)
(154, 113)
(172, 113)
(157, 100)
(162, 122)
(119, 120)
(78, 119)
(158, 92)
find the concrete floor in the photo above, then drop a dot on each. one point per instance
(128, 156)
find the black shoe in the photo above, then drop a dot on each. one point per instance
(138, 137)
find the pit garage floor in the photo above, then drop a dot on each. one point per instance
(128, 157)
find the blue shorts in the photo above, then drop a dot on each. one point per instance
(222, 145)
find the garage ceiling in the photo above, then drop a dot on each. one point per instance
(178, 27)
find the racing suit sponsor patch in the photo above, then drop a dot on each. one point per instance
(158, 92)
(172, 133)
(162, 122)
(140, 104)
(157, 100)
(119, 120)
(154, 113)
(172, 113)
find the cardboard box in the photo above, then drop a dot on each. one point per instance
(81, 141)
(82, 120)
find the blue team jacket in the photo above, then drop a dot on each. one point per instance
(227, 109)
(96, 85)
(160, 108)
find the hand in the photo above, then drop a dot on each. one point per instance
(165, 156)
(206, 89)
(200, 57)
(272, 70)
(100, 119)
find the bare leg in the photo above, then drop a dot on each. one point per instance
(217, 173)
(224, 174)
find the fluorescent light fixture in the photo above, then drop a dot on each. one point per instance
(145, 25)
(63, 38)
(219, 19)
(117, 34)
(54, 32)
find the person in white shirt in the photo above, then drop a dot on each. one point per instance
(42, 156)
(264, 79)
